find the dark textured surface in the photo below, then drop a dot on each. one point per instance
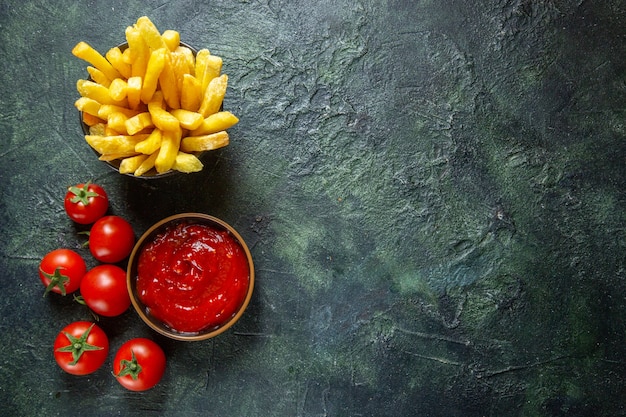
(433, 192)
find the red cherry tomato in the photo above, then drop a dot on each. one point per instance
(139, 364)
(86, 203)
(104, 290)
(111, 239)
(81, 348)
(61, 271)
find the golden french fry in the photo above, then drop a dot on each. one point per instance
(106, 109)
(201, 57)
(127, 57)
(170, 143)
(109, 131)
(131, 164)
(118, 89)
(151, 144)
(139, 122)
(153, 71)
(214, 65)
(191, 93)
(188, 119)
(169, 84)
(215, 123)
(97, 92)
(98, 76)
(117, 122)
(91, 120)
(113, 156)
(150, 33)
(114, 56)
(214, 95)
(171, 39)
(204, 143)
(180, 66)
(161, 118)
(139, 52)
(146, 165)
(87, 53)
(133, 91)
(186, 162)
(208, 67)
(99, 129)
(120, 144)
(189, 57)
(88, 105)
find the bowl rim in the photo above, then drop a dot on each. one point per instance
(115, 163)
(131, 276)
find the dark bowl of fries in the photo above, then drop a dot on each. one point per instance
(153, 104)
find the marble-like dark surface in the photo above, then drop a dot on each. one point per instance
(433, 192)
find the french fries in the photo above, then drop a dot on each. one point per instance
(213, 96)
(205, 142)
(155, 105)
(118, 144)
(84, 51)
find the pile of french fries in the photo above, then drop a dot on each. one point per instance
(154, 105)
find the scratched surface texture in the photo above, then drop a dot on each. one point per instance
(433, 193)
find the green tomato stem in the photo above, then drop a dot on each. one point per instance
(130, 367)
(56, 280)
(78, 345)
(82, 194)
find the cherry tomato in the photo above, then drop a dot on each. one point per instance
(86, 203)
(81, 348)
(139, 364)
(104, 290)
(111, 239)
(61, 271)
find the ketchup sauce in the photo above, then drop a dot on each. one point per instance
(193, 277)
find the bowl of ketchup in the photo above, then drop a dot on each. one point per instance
(190, 276)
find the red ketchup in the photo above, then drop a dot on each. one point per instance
(193, 277)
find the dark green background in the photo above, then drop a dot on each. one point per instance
(433, 193)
